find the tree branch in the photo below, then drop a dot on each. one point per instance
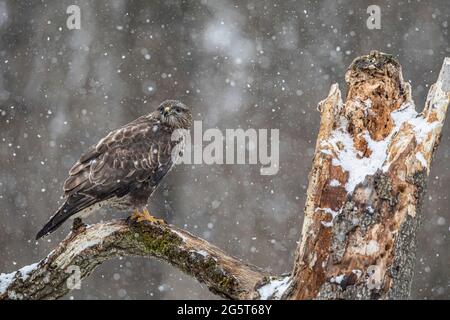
(86, 249)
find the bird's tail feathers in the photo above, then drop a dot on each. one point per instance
(68, 209)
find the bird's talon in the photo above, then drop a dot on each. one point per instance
(146, 216)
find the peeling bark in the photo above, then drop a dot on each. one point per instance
(369, 174)
(370, 167)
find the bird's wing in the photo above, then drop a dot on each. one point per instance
(117, 165)
(137, 152)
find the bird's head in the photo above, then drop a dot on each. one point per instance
(174, 114)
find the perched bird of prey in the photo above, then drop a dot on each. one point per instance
(123, 169)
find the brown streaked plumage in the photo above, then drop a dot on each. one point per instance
(123, 169)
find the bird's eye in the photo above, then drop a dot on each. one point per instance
(177, 109)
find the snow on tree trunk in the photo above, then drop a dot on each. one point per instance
(369, 173)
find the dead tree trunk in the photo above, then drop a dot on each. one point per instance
(369, 173)
(372, 159)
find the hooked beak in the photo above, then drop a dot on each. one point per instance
(166, 111)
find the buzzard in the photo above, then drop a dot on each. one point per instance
(124, 168)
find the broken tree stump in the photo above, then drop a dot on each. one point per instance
(370, 168)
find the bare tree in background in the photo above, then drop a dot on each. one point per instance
(371, 163)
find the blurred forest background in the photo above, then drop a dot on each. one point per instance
(239, 64)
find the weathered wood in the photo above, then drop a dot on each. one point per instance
(369, 173)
